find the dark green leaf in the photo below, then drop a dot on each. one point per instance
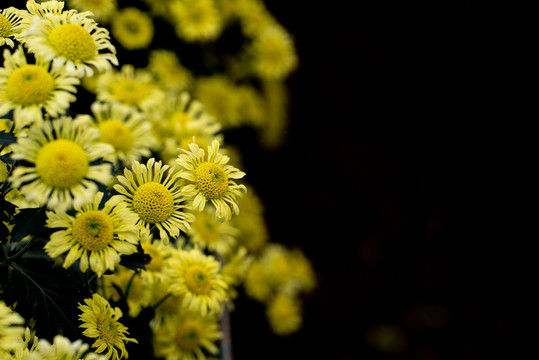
(7, 138)
(135, 261)
(28, 222)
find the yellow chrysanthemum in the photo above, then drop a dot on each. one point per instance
(152, 191)
(254, 17)
(126, 129)
(129, 285)
(97, 236)
(129, 86)
(284, 314)
(27, 89)
(196, 277)
(103, 10)
(209, 232)
(221, 99)
(210, 179)
(257, 285)
(273, 129)
(61, 169)
(12, 21)
(160, 253)
(43, 8)
(171, 75)
(73, 40)
(179, 120)
(274, 55)
(101, 322)
(11, 330)
(187, 336)
(63, 348)
(196, 20)
(132, 28)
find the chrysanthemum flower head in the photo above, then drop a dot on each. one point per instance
(274, 53)
(187, 336)
(63, 348)
(101, 322)
(71, 39)
(61, 169)
(221, 99)
(153, 193)
(284, 314)
(103, 10)
(30, 88)
(210, 179)
(196, 20)
(197, 278)
(12, 21)
(11, 330)
(97, 236)
(257, 284)
(209, 232)
(126, 129)
(132, 28)
(52, 7)
(171, 75)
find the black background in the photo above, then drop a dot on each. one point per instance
(395, 180)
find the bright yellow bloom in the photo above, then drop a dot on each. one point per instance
(196, 20)
(284, 314)
(11, 330)
(97, 236)
(171, 75)
(221, 99)
(126, 129)
(209, 232)
(254, 17)
(187, 337)
(52, 7)
(63, 348)
(210, 179)
(101, 322)
(257, 285)
(61, 170)
(12, 21)
(196, 277)
(73, 40)
(132, 28)
(152, 192)
(27, 89)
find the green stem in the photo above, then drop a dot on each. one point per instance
(9, 259)
(161, 301)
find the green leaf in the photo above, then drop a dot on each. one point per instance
(7, 138)
(28, 222)
(135, 261)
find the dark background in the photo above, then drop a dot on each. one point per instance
(394, 181)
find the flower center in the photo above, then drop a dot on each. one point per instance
(189, 335)
(180, 118)
(198, 280)
(5, 26)
(62, 163)
(157, 258)
(29, 84)
(73, 42)
(129, 91)
(153, 202)
(207, 228)
(117, 134)
(93, 230)
(107, 328)
(211, 180)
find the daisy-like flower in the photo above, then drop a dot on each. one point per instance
(132, 28)
(73, 40)
(96, 236)
(63, 348)
(27, 89)
(53, 7)
(152, 192)
(274, 53)
(171, 75)
(132, 87)
(196, 20)
(11, 330)
(101, 322)
(187, 336)
(125, 129)
(254, 17)
(212, 234)
(197, 278)
(221, 99)
(103, 10)
(257, 284)
(210, 179)
(284, 314)
(61, 171)
(12, 21)
(160, 255)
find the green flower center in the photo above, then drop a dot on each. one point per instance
(108, 329)
(153, 202)
(129, 91)
(62, 163)
(29, 84)
(189, 335)
(73, 42)
(117, 134)
(211, 180)
(197, 280)
(207, 227)
(93, 230)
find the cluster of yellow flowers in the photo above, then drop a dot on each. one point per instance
(137, 201)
